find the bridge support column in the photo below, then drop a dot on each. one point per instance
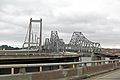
(97, 57)
(93, 58)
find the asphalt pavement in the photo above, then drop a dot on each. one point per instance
(113, 75)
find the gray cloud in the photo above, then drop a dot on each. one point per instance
(98, 20)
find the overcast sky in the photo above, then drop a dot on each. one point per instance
(98, 20)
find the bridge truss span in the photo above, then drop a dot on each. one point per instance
(80, 43)
(54, 43)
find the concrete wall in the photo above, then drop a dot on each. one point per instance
(47, 75)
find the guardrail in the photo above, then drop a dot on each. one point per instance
(79, 69)
(60, 65)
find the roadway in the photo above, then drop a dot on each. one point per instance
(29, 58)
(113, 75)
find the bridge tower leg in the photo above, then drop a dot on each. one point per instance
(40, 40)
(29, 34)
(30, 29)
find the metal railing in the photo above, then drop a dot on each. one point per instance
(21, 68)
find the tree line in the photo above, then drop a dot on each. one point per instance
(6, 47)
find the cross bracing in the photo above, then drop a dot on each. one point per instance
(78, 42)
(54, 44)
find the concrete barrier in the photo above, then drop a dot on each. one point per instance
(47, 75)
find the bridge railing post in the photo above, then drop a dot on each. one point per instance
(60, 67)
(12, 70)
(73, 65)
(40, 68)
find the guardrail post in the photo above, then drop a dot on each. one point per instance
(12, 70)
(40, 69)
(60, 67)
(73, 65)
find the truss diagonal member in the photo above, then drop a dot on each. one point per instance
(80, 43)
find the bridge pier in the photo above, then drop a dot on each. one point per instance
(97, 57)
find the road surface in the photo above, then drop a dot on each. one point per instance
(113, 75)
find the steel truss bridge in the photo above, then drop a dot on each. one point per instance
(78, 43)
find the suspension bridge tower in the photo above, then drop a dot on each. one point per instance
(33, 41)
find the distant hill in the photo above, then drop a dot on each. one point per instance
(6, 47)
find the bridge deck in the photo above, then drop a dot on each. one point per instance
(36, 55)
(25, 58)
(113, 75)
